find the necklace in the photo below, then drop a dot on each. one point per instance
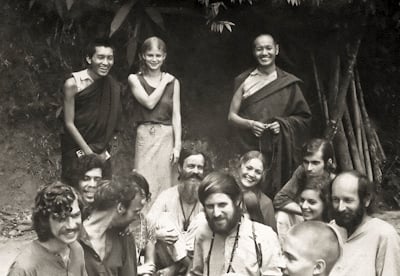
(235, 245)
(186, 221)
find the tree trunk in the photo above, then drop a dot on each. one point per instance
(338, 108)
(357, 123)
(355, 156)
(370, 137)
(321, 95)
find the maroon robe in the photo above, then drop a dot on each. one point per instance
(282, 101)
(97, 110)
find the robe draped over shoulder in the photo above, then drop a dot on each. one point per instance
(282, 101)
(97, 113)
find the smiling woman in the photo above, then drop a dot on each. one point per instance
(157, 117)
(251, 173)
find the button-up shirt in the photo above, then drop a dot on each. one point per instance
(82, 79)
(37, 260)
(245, 261)
(255, 81)
(119, 258)
(372, 250)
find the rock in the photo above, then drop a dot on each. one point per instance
(23, 227)
(13, 233)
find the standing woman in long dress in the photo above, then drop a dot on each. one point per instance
(157, 117)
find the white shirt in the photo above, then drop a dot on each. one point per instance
(82, 79)
(257, 80)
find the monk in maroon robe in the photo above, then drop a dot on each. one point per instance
(91, 111)
(271, 114)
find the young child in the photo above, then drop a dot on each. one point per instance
(310, 248)
(251, 173)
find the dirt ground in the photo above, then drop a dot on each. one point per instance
(24, 166)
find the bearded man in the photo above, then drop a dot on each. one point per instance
(372, 246)
(175, 209)
(228, 243)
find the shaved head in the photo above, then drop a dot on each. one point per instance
(316, 247)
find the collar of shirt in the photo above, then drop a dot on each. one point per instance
(257, 72)
(84, 75)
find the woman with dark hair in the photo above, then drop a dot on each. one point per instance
(157, 116)
(314, 198)
(252, 169)
(318, 159)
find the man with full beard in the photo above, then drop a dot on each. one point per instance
(228, 243)
(372, 246)
(174, 212)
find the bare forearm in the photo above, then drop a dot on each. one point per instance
(292, 207)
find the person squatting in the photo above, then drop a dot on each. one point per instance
(293, 214)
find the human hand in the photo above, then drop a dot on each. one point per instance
(104, 156)
(167, 78)
(274, 127)
(257, 128)
(168, 271)
(146, 269)
(174, 155)
(169, 236)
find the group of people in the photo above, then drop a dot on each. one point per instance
(172, 216)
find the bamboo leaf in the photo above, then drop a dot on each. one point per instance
(156, 17)
(31, 3)
(228, 27)
(131, 50)
(69, 3)
(59, 7)
(120, 16)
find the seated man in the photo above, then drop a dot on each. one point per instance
(174, 211)
(87, 173)
(57, 221)
(109, 250)
(310, 248)
(317, 160)
(373, 246)
(227, 243)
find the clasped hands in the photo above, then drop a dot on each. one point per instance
(258, 128)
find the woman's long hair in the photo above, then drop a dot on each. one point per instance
(251, 197)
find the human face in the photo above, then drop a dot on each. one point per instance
(192, 169)
(125, 217)
(265, 50)
(314, 164)
(154, 59)
(66, 231)
(348, 211)
(88, 185)
(101, 62)
(296, 262)
(221, 212)
(251, 173)
(311, 205)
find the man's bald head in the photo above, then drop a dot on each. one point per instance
(315, 244)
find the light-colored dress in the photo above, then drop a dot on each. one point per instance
(155, 139)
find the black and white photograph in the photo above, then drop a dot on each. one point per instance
(200, 138)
